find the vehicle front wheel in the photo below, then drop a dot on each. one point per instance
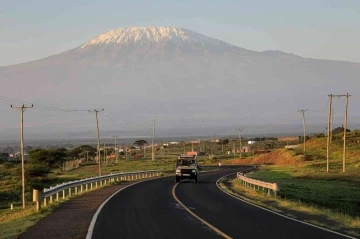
(177, 179)
(195, 180)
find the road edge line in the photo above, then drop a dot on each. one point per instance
(93, 221)
(197, 217)
(279, 214)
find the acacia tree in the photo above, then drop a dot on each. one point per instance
(140, 143)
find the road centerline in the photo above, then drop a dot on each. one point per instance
(197, 217)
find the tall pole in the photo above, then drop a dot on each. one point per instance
(239, 129)
(331, 123)
(153, 153)
(234, 149)
(98, 137)
(116, 151)
(345, 125)
(105, 159)
(22, 110)
(304, 126)
(328, 134)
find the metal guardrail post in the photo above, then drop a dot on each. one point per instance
(47, 195)
(256, 184)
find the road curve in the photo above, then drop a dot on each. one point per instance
(239, 219)
(149, 210)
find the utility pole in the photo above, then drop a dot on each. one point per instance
(105, 159)
(22, 110)
(240, 129)
(153, 153)
(234, 149)
(184, 147)
(304, 126)
(328, 133)
(87, 155)
(345, 125)
(222, 146)
(98, 136)
(331, 123)
(192, 146)
(116, 151)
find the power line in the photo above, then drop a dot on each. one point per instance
(9, 101)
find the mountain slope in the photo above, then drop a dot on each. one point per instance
(175, 71)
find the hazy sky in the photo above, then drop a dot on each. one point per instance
(327, 29)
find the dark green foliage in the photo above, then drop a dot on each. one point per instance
(140, 143)
(52, 158)
(224, 141)
(81, 150)
(4, 157)
(339, 130)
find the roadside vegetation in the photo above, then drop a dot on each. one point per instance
(308, 191)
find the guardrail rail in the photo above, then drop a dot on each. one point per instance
(257, 184)
(83, 185)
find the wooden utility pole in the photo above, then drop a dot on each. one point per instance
(98, 136)
(22, 110)
(153, 152)
(87, 155)
(116, 151)
(345, 125)
(328, 133)
(105, 159)
(234, 149)
(240, 129)
(331, 123)
(304, 126)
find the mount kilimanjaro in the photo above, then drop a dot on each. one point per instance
(174, 71)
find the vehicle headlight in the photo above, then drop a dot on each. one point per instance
(178, 170)
(194, 171)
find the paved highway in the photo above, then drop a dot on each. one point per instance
(150, 210)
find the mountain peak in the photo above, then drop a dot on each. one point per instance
(125, 36)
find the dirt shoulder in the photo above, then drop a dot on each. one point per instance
(72, 218)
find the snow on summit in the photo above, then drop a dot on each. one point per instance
(152, 35)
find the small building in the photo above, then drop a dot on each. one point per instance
(245, 149)
(251, 142)
(215, 140)
(173, 143)
(195, 141)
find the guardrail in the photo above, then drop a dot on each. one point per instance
(257, 184)
(83, 185)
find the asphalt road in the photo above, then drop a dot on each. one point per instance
(149, 210)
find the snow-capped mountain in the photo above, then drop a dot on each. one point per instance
(175, 71)
(145, 35)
